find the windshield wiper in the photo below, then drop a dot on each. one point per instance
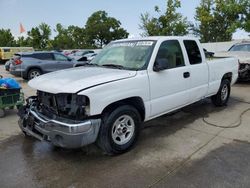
(114, 66)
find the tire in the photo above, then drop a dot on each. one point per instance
(119, 130)
(33, 73)
(222, 96)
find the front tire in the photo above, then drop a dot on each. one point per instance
(222, 96)
(119, 130)
(33, 73)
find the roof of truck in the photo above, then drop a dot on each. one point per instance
(158, 38)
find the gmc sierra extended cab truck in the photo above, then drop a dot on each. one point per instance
(129, 82)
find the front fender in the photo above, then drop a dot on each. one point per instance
(103, 95)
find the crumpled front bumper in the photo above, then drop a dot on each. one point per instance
(60, 133)
(244, 71)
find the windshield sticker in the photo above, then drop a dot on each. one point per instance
(133, 44)
(145, 43)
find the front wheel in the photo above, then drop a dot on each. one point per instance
(222, 96)
(119, 130)
(33, 73)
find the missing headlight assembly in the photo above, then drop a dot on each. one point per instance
(71, 106)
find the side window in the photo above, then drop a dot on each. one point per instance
(60, 57)
(194, 54)
(171, 51)
(43, 56)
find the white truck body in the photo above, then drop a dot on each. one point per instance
(160, 91)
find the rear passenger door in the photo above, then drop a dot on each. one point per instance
(62, 62)
(169, 88)
(198, 70)
(45, 61)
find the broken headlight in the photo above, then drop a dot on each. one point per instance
(71, 106)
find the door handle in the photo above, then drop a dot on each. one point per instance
(186, 74)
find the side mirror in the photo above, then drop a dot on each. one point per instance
(160, 64)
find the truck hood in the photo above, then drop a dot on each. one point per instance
(76, 79)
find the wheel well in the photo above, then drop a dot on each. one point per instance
(34, 68)
(136, 102)
(227, 76)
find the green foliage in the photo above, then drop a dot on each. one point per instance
(21, 42)
(219, 19)
(101, 29)
(38, 37)
(246, 20)
(170, 23)
(6, 38)
(72, 37)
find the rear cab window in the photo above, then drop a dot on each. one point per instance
(193, 52)
(172, 52)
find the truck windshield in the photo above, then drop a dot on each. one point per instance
(130, 55)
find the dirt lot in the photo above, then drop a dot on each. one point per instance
(181, 150)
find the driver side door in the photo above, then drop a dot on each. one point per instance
(169, 87)
(62, 62)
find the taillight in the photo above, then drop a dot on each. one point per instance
(18, 61)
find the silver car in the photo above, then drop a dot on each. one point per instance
(31, 65)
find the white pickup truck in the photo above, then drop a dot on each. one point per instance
(129, 82)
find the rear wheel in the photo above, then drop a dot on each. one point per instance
(33, 73)
(221, 98)
(119, 130)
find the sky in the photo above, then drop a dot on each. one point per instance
(76, 12)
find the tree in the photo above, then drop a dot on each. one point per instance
(6, 38)
(204, 15)
(21, 41)
(101, 29)
(69, 38)
(170, 23)
(219, 19)
(38, 37)
(246, 22)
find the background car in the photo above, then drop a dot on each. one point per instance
(7, 52)
(240, 47)
(31, 65)
(242, 52)
(85, 59)
(79, 54)
(68, 52)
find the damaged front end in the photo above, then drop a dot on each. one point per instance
(62, 119)
(244, 71)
